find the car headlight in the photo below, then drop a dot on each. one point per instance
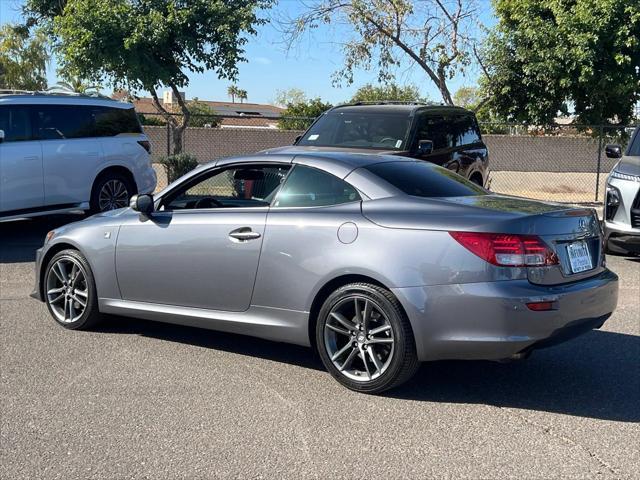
(625, 176)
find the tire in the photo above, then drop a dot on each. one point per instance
(68, 282)
(381, 354)
(477, 179)
(111, 190)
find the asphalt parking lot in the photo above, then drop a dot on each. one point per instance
(145, 400)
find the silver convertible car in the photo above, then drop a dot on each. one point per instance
(376, 262)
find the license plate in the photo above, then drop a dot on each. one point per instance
(579, 257)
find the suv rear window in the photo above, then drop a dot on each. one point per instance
(359, 130)
(421, 179)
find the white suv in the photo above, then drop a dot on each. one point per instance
(61, 153)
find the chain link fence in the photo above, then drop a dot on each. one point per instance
(562, 163)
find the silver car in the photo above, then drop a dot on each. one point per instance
(622, 204)
(376, 262)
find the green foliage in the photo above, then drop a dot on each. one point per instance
(545, 56)
(202, 115)
(78, 85)
(147, 44)
(299, 116)
(151, 120)
(391, 91)
(467, 97)
(23, 59)
(178, 165)
(436, 36)
(290, 95)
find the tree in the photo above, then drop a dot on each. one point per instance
(298, 116)
(202, 115)
(232, 91)
(290, 95)
(145, 45)
(378, 93)
(77, 85)
(545, 56)
(434, 35)
(23, 59)
(242, 95)
(467, 97)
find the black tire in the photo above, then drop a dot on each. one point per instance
(90, 316)
(100, 184)
(477, 179)
(403, 361)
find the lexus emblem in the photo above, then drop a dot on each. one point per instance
(582, 224)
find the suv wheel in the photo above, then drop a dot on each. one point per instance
(365, 340)
(111, 191)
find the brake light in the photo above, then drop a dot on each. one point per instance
(540, 306)
(506, 249)
(145, 144)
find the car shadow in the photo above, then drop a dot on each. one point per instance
(595, 375)
(19, 239)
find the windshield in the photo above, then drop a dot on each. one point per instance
(359, 130)
(421, 179)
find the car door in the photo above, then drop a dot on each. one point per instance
(21, 171)
(70, 154)
(437, 128)
(201, 248)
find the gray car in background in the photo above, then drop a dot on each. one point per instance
(375, 261)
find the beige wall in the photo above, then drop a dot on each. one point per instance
(506, 152)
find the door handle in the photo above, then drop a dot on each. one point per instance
(243, 234)
(31, 158)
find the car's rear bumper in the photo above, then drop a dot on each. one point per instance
(491, 320)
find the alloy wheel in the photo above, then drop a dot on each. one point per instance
(67, 290)
(359, 338)
(113, 194)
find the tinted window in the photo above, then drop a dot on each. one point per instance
(465, 130)
(634, 148)
(309, 187)
(16, 123)
(357, 130)
(80, 121)
(112, 121)
(422, 179)
(246, 186)
(436, 128)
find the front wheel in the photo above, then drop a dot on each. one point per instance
(70, 291)
(365, 340)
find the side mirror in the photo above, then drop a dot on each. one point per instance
(425, 147)
(1, 136)
(613, 151)
(142, 203)
(297, 139)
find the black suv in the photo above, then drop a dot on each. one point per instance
(445, 135)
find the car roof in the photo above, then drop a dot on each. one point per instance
(43, 98)
(395, 108)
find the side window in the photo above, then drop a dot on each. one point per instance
(465, 130)
(634, 149)
(63, 121)
(235, 187)
(16, 123)
(309, 187)
(109, 121)
(436, 128)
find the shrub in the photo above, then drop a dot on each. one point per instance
(178, 165)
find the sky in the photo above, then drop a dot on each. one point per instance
(309, 66)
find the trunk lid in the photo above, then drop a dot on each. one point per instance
(567, 230)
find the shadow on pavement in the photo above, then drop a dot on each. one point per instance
(595, 375)
(19, 239)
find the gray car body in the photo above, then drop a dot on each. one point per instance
(181, 267)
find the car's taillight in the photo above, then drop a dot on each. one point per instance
(506, 249)
(145, 144)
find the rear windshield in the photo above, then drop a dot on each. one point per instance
(359, 130)
(421, 179)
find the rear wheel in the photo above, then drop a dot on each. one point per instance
(477, 179)
(365, 340)
(70, 292)
(111, 190)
